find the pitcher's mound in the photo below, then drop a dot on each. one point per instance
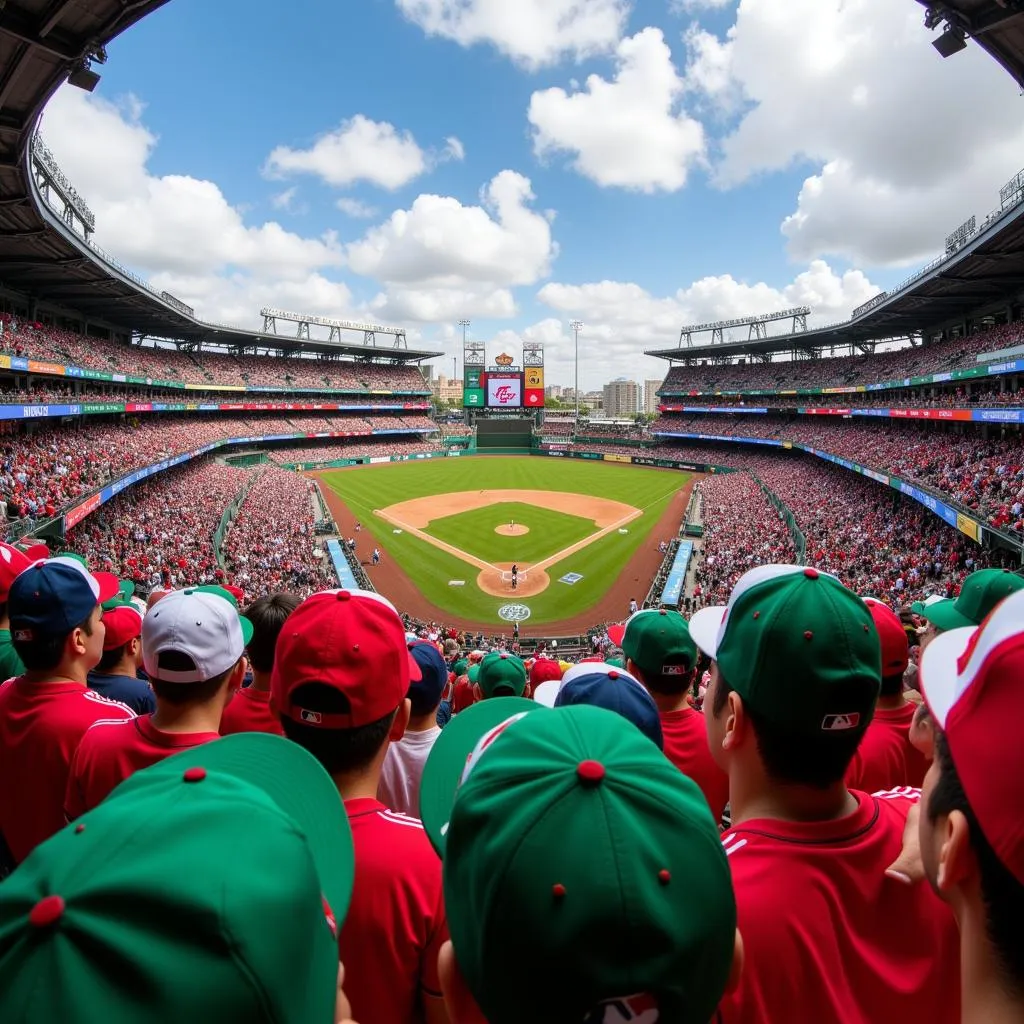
(531, 582)
(516, 530)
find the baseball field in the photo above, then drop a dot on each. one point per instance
(583, 535)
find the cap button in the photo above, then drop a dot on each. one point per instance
(613, 675)
(590, 772)
(811, 574)
(662, 611)
(344, 595)
(194, 774)
(47, 911)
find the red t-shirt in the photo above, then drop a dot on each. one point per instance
(396, 924)
(826, 935)
(41, 726)
(886, 759)
(463, 696)
(249, 711)
(110, 752)
(686, 746)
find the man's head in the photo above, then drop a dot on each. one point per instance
(55, 615)
(341, 678)
(972, 839)
(660, 651)
(795, 676)
(267, 615)
(425, 692)
(501, 675)
(13, 562)
(571, 836)
(122, 643)
(193, 646)
(143, 909)
(979, 594)
(895, 648)
(604, 686)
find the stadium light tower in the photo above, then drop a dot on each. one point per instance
(464, 324)
(576, 326)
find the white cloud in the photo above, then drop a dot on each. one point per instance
(439, 254)
(285, 200)
(903, 149)
(688, 6)
(356, 209)
(180, 232)
(358, 150)
(622, 319)
(629, 132)
(533, 33)
(454, 149)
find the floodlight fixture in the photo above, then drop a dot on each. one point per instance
(83, 77)
(952, 40)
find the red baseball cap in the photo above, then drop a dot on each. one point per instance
(12, 563)
(352, 641)
(236, 592)
(971, 680)
(123, 623)
(616, 632)
(543, 670)
(895, 649)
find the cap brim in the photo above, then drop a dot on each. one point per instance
(546, 692)
(704, 627)
(918, 607)
(943, 615)
(247, 629)
(443, 771)
(938, 676)
(296, 782)
(109, 584)
(616, 633)
(415, 672)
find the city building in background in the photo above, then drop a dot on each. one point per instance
(650, 405)
(621, 399)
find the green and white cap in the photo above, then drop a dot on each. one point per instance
(800, 648)
(979, 595)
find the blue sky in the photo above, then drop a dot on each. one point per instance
(775, 154)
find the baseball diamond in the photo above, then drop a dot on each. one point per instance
(474, 518)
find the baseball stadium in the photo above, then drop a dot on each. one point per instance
(881, 456)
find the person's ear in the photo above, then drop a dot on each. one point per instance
(401, 722)
(956, 858)
(458, 1000)
(737, 725)
(736, 969)
(528, 690)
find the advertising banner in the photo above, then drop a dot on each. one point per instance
(473, 397)
(472, 379)
(504, 392)
(672, 592)
(968, 526)
(930, 414)
(534, 377)
(533, 398)
(627, 459)
(53, 368)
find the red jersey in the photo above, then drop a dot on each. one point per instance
(396, 923)
(463, 696)
(886, 759)
(110, 752)
(249, 711)
(827, 936)
(686, 746)
(41, 726)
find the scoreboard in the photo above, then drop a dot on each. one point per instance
(503, 386)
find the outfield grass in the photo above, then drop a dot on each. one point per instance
(430, 568)
(473, 532)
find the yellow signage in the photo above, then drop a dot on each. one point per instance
(5, 362)
(534, 377)
(618, 458)
(967, 526)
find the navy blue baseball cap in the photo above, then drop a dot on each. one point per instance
(50, 598)
(614, 689)
(425, 692)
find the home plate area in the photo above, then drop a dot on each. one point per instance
(497, 581)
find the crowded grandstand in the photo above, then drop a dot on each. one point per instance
(239, 783)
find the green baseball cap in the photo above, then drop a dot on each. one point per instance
(920, 607)
(443, 770)
(574, 838)
(459, 667)
(798, 646)
(501, 675)
(212, 588)
(473, 672)
(658, 641)
(979, 594)
(206, 887)
(125, 591)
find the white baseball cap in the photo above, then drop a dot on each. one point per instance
(203, 626)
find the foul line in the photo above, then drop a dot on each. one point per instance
(465, 556)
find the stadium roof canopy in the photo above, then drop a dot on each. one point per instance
(42, 42)
(997, 26)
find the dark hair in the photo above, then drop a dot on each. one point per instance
(1001, 893)
(45, 654)
(179, 694)
(268, 616)
(338, 750)
(792, 757)
(667, 685)
(111, 658)
(892, 686)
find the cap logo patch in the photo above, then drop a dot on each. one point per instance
(840, 723)
(24, 635)
(673, 670)
(638, 1009)
(313, 717)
